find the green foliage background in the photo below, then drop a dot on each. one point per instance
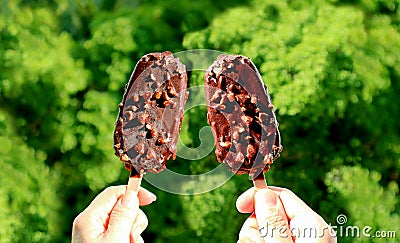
(332, 68)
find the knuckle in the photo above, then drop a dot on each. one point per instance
(142, 219)
(286, 190)
(79, 222)
(276, 221)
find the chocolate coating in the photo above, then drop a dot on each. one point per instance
(241, 115)
(150, 115)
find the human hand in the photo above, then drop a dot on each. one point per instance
(113, 216)
(278, 215)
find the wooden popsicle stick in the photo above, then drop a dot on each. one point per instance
(259, 181)
(134, 181)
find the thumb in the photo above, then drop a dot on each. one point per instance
(271, 217)
(123, 217)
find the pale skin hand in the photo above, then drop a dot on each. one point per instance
(276, 213)
(113, 216)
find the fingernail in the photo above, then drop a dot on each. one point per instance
(130, 200)
(153, 197)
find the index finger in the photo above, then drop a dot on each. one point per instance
(245, 202)
(145, 197)
(106, 200)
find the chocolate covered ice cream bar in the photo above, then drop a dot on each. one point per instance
(241, 115)
(151, 112)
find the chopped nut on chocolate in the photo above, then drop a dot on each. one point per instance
(253, 99)
(225, 144)
(231, 97)
(157, 95)
(140, 148)
(171, 92)
(124, 158)
(152, 77)
(235, 135)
